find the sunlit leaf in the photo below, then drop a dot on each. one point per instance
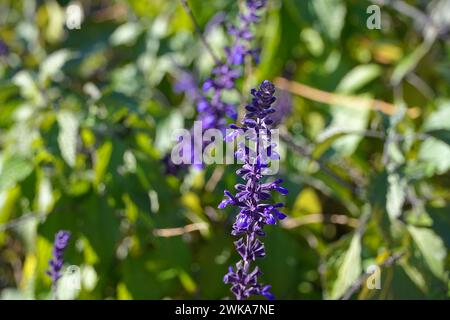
(307, 202)
(102, 161)
(440, 134)
(68, 136)
(408, 63)
(435, 150)
(14, 169)
(187, 282)
(395, 195)
(165, 131)
(53, 64)
(331, 16)
(350, 269)
(358, 77)
(346, 144)
(432, 248)
(126, 34)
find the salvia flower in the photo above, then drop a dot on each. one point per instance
(213, 111)
(56, 263)
(225, 74)
(253, 196)
(243, 34)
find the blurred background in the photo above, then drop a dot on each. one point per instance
(88, 102)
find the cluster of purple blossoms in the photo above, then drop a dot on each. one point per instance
(243, 34)
(252, 197)
(56, 263)
(214, 112)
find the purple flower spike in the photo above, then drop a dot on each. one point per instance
(213, 110)
(56, 263)
(251, 197)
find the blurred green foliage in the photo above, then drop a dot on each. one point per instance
(86, 115)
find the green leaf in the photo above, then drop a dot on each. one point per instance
(441, 222)
(350, 269)
(100, 224)
(89, 277)
(407, 282)
(346, 144)
(126, 34)
(165, 130)
(431, 247)
(68, 134)
(187, 281)
(45, 198)
(436, 154)
(307, 202)
(440, 134)
(395, 196)
(53, 64)
(55, 27)
(282, 267)
(8, 200)
(415, 275)
(28, 87)
(331, 16)
(313, 41)
(358, 77)
(14, 294)
(435, 150)
(13, 170)
(410, 62)
(270, 43)
(342, 134)
(102, 161)
(437, 124)
(439, 118)
(325, 141)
